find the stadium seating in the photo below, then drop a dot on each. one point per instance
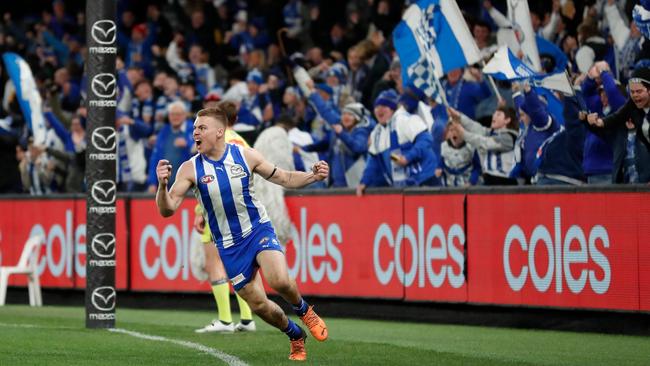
(27, 265)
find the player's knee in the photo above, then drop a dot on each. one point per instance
(257, 306)
(281, 285)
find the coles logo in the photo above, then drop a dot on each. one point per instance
(65, 246)
(561, 257)
(316, 242)
(104, 32)
(206, 179)
(423, 253)
(159, 245)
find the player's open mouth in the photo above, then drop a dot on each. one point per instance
(198, 143)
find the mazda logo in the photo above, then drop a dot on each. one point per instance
(103, 32)
(103, 298)
(103, 192)
(104, 85)
(103, 138)
(103, 245)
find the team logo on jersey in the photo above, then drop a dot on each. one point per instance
(237, 171)
(207, 179)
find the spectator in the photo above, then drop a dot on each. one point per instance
(174, 142)
(400, 151)
(496, 145)
(538, 125)
(602, 96)
(630, 128)
(464, 95)
(560, 157)
(459, 164)
(593, 47)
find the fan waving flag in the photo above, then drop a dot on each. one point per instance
(505, 66)
(27, 94)
(431, 40)
(641, 16)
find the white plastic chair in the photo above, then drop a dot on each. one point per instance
(27, 265)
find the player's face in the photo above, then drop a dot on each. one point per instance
(207, 132)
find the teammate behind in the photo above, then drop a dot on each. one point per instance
(221, 175)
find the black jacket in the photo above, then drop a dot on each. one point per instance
(616, 132)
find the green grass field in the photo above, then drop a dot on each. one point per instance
(56, 336)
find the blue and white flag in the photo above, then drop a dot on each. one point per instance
(27, 94)
(519, 16)
(641, 16)
(431, 40)
(505, 66)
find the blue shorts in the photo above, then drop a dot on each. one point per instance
(240, 260)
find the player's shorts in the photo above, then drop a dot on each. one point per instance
(240, 260)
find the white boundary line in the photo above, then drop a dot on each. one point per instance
(228, 359)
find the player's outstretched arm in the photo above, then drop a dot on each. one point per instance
(168, 201)
(287, 179)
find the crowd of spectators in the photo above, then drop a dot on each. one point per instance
(327, 72)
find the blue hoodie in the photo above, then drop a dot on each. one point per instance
(597, 157)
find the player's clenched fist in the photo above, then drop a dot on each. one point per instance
(163, 171)
(320, 170)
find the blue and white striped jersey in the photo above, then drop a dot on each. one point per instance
(225, 190)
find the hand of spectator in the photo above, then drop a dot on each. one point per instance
(611, 2)
(399, 160)
(520, 54)
(321, 170)
(337, 128)
(124, 120)
(526, 86)
(263, 88)
(594, 120)
(579, 79)
(593, 72)
(476, 73)
(163, 172)
(180, 142)
(438, 173)
(515, 87)
(119, 64)
(360, 189)
(155, 50)
(178, 38)
(501, 102)
(453, 114)
(629, 124)
(602, 66)
(310, 84)
(199, 223)
(556, 6)
(487, 4)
